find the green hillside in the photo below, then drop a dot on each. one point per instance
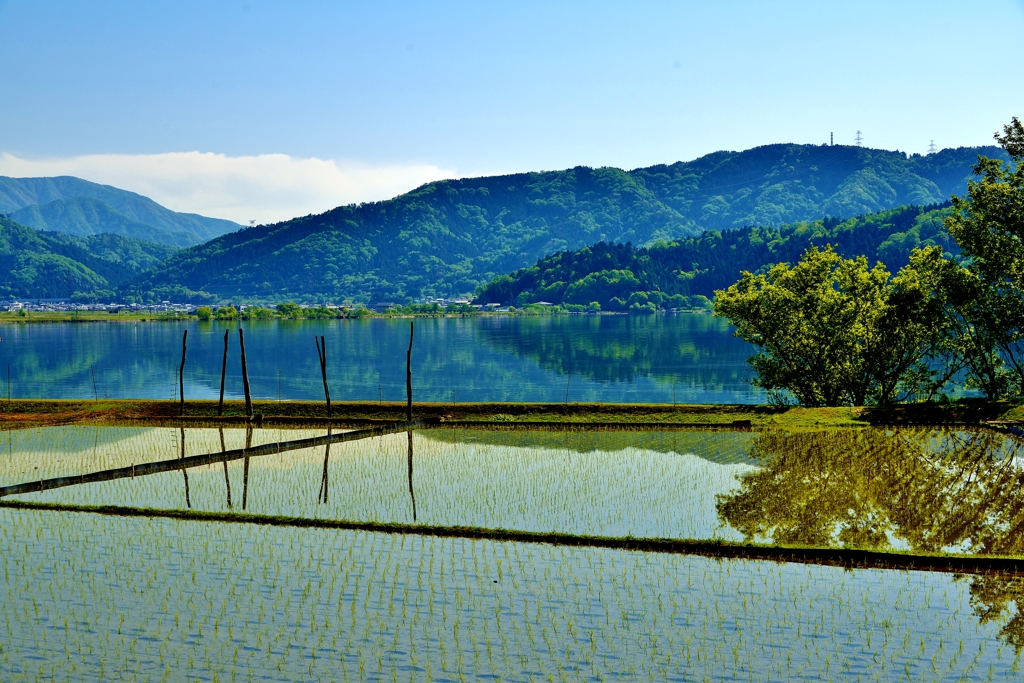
(79, 207)
(447, 238)
(85, 216)
(667, 274)
(48, 265)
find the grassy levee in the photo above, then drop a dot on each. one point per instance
(843, 556)
(28, 412)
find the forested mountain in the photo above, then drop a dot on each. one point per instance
(79, 207)
(448, 237)
(36, 264)
(621, 277)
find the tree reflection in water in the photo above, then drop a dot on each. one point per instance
(926, 490)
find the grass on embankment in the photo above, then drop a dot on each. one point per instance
(844, 556)
(25, 412)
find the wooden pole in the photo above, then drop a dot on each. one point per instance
(321, 353)
(184, 472)
(223, 375)
(408, 375)
(227, 481)
(245, 377)
(95, 391)
(181, 375)
(245, 466)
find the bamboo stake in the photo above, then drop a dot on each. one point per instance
(95, 391)
(245, 376)
(223, 375)
(181, 374)
(408, 375)
(184, 472)
(245, 467)
(321, 352)
(227, 481)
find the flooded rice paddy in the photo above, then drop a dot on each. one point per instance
(133, 598)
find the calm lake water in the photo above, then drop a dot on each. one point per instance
(629, 359)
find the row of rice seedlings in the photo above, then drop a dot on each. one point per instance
(69, 450)
(631, 491)
(59, 451)
(100, 598)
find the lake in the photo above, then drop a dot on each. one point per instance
(692, 358)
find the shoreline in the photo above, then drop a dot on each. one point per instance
(37, 317)
(18, 413)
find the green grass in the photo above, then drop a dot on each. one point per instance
(40, 411)
(840, 557)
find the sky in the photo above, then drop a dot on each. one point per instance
(259, 110)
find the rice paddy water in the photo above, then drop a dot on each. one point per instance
(136, 598)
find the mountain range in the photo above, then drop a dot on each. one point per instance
(621, 277)
(451, 237)
(78, 207)
(448, 237)
(53, 265)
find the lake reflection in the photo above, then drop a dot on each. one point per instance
(632, 359)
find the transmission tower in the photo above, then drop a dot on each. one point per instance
(931, 148)
(858, 139)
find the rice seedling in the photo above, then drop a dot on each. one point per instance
(571, 486)
(134, 598)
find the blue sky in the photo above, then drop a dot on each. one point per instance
(203, 104)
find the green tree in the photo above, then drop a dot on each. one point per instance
(289, 310)
(987, 297)
(833, 332)
(204, 312)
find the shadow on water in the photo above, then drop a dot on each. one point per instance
(912, 489)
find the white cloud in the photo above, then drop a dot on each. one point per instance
(265, 188)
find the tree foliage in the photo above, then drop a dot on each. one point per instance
(36, 264)
(986, 317)
(833, 331)
(697, 266)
